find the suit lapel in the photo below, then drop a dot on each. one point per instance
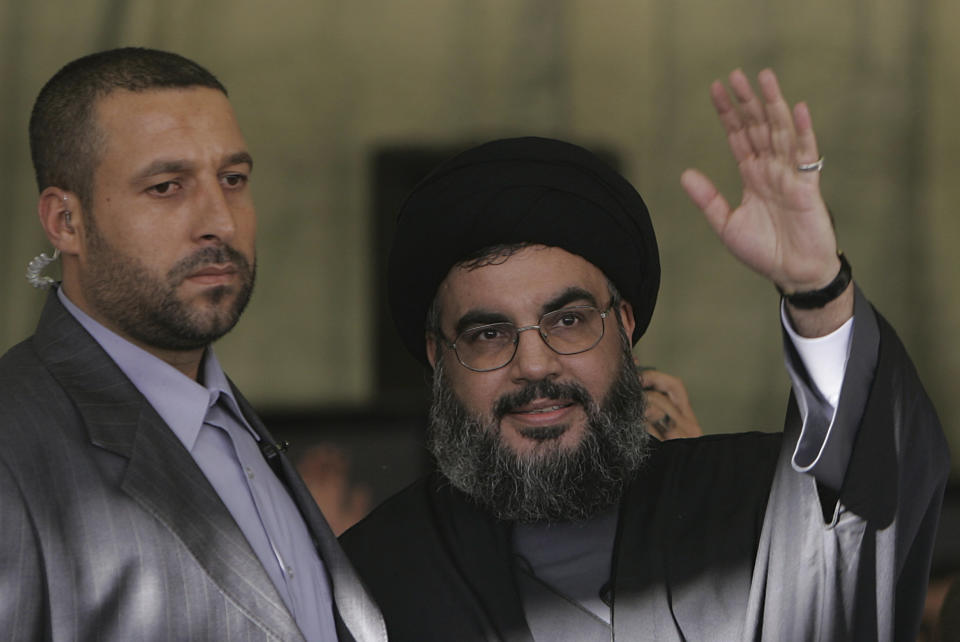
(354, 606)
(161, 475)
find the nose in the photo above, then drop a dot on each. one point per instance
(214, 215)
(534, 360)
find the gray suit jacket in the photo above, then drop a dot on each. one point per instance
(110, 531)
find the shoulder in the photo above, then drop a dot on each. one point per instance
(38, 419)
(22, 370)
(727, 455)
(700, 500)
(710, 469)
(18, 361)
(422, 554)
(26, 387)
(718, 451)
(402, 517)
(417, 535)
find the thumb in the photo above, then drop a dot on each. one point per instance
(704, 195)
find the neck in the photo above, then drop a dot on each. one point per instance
(186, 361)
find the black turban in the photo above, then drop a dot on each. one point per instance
(518, 190)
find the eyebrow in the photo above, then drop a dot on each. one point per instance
(568, 296)
(474, 318)
(478, 317)
(240, 158)
(163, 166)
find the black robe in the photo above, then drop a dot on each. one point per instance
(718, 538)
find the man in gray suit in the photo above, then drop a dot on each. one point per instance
(140, 496)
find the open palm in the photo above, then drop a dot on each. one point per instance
(782, 228)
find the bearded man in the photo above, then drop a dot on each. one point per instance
(522, 271)
(140, 496)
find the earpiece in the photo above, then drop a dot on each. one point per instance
(67, 215)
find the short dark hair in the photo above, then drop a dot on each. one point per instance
(65, 142)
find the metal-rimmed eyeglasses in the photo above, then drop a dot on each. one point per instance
(566, 331)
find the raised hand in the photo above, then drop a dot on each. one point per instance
(781, 229)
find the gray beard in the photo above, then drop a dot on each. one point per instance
(550, 484)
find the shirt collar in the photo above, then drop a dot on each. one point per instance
(180, 401)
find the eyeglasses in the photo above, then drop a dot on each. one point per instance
(566, 331)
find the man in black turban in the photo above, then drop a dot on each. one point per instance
(552, 515)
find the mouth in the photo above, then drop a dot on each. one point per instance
(541, 412)
(213, 274)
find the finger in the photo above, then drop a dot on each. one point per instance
(737, 136)
(729, 116)
(658, 420)
(686, 428)
(668, 427)
(671, 419)
(783, 135)
(753, 114)
(655, 380)
(750, 107)
(705, 196)
(655, 408)
(656, 432)
(660, 405)
(669, 396)
(807, 151)
(666, 421)
(741, 146)
(669, 385)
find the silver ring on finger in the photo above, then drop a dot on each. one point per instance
(816, 166)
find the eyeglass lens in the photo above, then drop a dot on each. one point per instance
(566, 331)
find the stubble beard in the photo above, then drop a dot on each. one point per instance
(148, 309)
(549, 484)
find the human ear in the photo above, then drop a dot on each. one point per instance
(60, 215)
(431, 350)
(625, 312)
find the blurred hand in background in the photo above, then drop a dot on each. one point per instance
(669, 413)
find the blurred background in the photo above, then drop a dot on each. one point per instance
(345, 105)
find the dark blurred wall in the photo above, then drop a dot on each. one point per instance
(322, 86)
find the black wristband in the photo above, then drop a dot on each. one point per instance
(818, 298)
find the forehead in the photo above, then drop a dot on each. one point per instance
(193, 121)
(521, 285)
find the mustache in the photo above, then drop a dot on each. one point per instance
(543, 389)
(211, 255)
